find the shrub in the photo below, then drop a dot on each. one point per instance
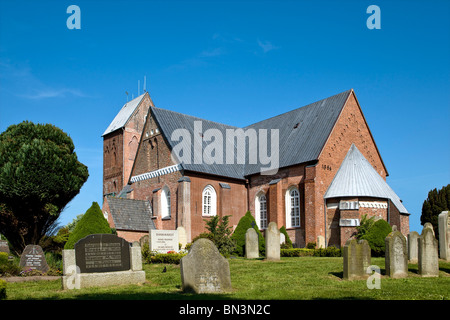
(221, 234)
(8, 268)
(328, 252)
(376, 236)
(297, 252)
(2, 289)
(239, 235)
(287, 244)
(92, 222)
(171, 258)
(364, 226)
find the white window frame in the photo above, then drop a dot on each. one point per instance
(165, 203)
(209, 201)
(291, 208)
(261, 211)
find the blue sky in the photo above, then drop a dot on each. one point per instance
(235, 62)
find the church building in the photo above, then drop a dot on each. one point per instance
(315, 170)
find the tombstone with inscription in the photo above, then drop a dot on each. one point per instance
(163, 240)
(204, 269)
(444, 235)
(412, 247)
(356, 259)
(33, 257)
(251, 244)
(272, 242)
(396, 261)
(102, 260)
(428, 264)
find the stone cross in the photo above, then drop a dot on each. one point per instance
(428, 252)
(204, 269)
(272, 242)
(396, 260)
(251, 244)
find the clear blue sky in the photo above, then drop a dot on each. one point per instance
(236, 62)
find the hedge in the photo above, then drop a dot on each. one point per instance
(2, 289)
(302, 252)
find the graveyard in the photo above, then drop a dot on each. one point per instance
(106, 267)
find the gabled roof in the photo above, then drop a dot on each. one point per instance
(303, 131)
(124, 114)
(357, 178)
(130, 214)
(169, 121)
(302, 135)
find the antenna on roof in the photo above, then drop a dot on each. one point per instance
(145, 81)
(139, 87)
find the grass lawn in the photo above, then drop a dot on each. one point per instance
(304, 278)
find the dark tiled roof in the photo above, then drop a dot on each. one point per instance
(302, 135)
(130, 214)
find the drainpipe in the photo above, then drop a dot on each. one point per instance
(325, 220)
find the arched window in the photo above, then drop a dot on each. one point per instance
(261, 210)
(165, 203)
(209, 201)
(292, 208)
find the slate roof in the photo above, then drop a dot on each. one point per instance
(124, 114)
(357, 177)
(130, 214)
(302, 135)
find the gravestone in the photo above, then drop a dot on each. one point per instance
(102, 253)
(251, 244)
(272, 242)
(144, 240)
(4, 246)
(282, 238)
(204, 269)
(412, 247)
(33, 257)
(444, 235)
(396, 261)
(356, 259)
(428, 264)
(182, 238)
(163, 240)
(320, 242)
(100, 260)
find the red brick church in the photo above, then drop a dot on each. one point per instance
(329, 172)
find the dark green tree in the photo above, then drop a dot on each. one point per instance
(39, 175)
(376, 236)
(246, 222)
(221, 234)
(92, 222)
(437, 201)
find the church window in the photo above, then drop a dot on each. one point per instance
(261, 211)
(165, 203)
(209, 201)
(292, 208)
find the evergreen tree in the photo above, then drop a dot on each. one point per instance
(437, 201)
(92, 222)
(246, 222)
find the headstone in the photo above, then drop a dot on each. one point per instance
(272, 242)
(164, 240)
(396, 260)
(282, 238)
(33, 257)
(251, 244)
(144, 240)
(428, 252)
(204, 269)
(100, 260)
(356, 259)
(412, 247)
(4, 247)
(102, 253)
(320, 242)
(444, 235)
(182, 238)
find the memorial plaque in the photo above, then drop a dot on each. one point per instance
(33, 257)
(164, 240)
(102, 253)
